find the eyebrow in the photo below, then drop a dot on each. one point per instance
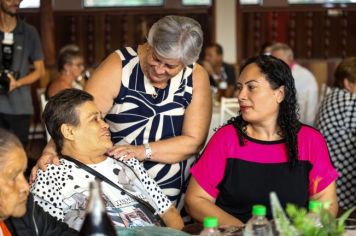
(154, 55)
(248, 82)
(93, 114)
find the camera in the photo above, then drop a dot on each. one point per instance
(7, 52)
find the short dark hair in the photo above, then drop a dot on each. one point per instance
(67, 54)
(218, 48)
(8, 141)
(345, 70)
(61, 109)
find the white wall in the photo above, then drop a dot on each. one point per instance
(225, 28)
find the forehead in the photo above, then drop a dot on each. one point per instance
(251, 72)
(170, 61)
(211, 50)
(87, 109)
(16, 159)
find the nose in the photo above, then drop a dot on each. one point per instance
(160, 68)
(104, 125)
(242, 94)
(24, 186)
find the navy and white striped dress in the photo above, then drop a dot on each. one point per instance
(142, 113)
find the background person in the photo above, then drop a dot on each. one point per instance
(71, 67)
(19, 215)
(337, 122)
(79, 132)
(305, 83)
(16, 105)
(221, 75)
(263, 149)
(157, 102)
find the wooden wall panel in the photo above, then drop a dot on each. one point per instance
(312, 32)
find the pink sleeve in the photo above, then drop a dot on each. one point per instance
(322, 173)
(210, 168)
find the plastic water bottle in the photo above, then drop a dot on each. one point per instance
(258, 225)
(314, 210)
(210, 227)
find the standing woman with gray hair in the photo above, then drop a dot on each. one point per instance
(157, 102)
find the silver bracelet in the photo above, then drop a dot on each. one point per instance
(148, 151)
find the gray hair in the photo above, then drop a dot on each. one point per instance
(177, 37)
(8, 142)
(283, 47)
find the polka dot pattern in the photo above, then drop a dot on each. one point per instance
(337, 122)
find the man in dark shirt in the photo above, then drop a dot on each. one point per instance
(221, 74)
(16, 104)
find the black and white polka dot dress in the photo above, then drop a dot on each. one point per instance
(337, 122)
(63, 191)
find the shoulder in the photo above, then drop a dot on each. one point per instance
(127, 53)
(301, 71)
(199, 73)
(310, 134)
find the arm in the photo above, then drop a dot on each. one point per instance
(199, 204)
(328, 196)
(105, 83)
(172, 218)
(195, 128)
(32, 77)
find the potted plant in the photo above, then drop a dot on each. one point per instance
(296, 222)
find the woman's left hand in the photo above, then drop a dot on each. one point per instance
(126, 152)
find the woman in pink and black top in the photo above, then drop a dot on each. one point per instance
(263, 149)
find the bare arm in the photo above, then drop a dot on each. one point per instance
(172, 218)
(105, 83)
(199, 204)
(328, 195)
(195, 128)
(32, 77)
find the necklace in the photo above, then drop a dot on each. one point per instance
(155, 95)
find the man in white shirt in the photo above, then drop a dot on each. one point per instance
(305, 83)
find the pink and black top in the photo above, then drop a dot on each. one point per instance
(240, 176)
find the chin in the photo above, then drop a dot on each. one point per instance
(19, 211)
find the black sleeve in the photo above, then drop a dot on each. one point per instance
(48, 225)
(230, 72)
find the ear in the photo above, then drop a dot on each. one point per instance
(348, 85)
(280, 93)
(67, 131)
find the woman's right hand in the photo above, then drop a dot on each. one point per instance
(49, 156)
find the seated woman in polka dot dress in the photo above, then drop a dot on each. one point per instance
(79, 132)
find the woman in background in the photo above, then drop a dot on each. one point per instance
(71, 67)
(264, 149)
(337, 122)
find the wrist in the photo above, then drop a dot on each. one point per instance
(148, 152)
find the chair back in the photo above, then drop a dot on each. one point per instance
(228, 108)
(43, 102)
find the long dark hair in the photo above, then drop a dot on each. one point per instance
(277, 74)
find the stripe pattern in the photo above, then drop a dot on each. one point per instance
(142, 113)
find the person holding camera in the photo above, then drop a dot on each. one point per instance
(20, 46)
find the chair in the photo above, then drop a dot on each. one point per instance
(43, 102)
(228, 108)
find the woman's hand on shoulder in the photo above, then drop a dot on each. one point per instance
(126, 152)
(49, 156)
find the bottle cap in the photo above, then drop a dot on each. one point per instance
(259, 210)
(210, 222)
(315, 206)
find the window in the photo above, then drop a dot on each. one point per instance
(30, 4)
(122, 3)
(196, 2)
(254, 2)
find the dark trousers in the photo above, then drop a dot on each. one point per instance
(18, 124)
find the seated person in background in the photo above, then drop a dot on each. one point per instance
(263, 149)
(18, 213)
(305, 83)
(79, 132)
(337, 122)
(221, 75)
(70, 66)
